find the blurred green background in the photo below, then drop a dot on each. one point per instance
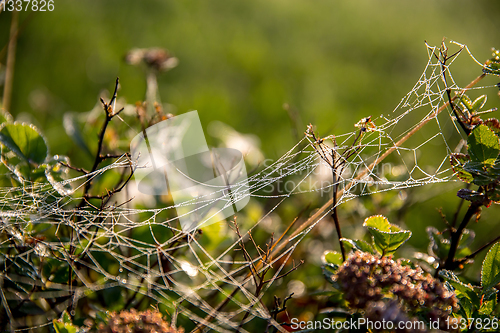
(333, 62)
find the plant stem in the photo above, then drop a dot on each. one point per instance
(455, 216)
(335, 214)
(457, 234)
(11, 60)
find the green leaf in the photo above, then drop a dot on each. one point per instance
(493, 124)
(461, 289)
(25, 171)
(466, 102)
(359, 245)
(479, 173)
(483, 145)
(378, 222)
(329, 271)
(332, 257)
(61, 275)
(492, 65)
(482, 173)
(488, 306)
(5, 116)
(66, 317)
(388, 242)
(494, 195)
(490, 273)
(332, 260)
(387, 237)
(466, 307)
(25, 141)
(463, 244)
(479, 103)
(457, 162)
(61, 327)
(489, 294)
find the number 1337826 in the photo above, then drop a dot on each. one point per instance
(26, 5)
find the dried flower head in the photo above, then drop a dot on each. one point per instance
(149, 321)
(386, 289)
(155, 58)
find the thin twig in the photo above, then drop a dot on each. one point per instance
(301, 262)
(85, 172)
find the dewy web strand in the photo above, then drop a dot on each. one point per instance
(195, 274)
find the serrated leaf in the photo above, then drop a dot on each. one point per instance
(457, 162)
(359, 245)
(332, 257)
(387, 237)
(25, 141)
(493, 124)
(490, 272)
(461, 289)
(466, 307)
(65, 317)
(483, 145)
(489, 294)
(487, 307)
(61, 327)
(378, 222)
(5, 116)
(481, 173)
(388, 242)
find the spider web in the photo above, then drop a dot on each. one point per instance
(146, 252)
